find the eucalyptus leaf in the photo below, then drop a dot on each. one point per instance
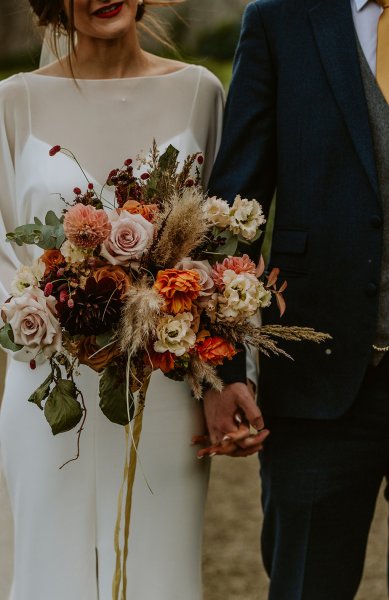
(113, 395)
(45, 236)
(7, 339)
(62, 409)
(52, 219)
(42, 392)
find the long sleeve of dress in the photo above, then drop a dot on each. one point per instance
(11, 96)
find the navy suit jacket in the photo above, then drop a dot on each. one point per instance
(296, 121)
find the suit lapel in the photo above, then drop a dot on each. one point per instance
(335, 36)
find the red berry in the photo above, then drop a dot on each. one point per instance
(189, 182)
(90, 186)
(63, 296)
(54, 150)
(128, 162)
(32, 364)
(71, 303)
(48, 289)
(77, 191)
(200, 159)
(145, 176)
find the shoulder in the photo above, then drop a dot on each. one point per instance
(261, 9)
(13, 100)
(13, 88)
(208, 83)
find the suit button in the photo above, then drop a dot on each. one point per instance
(371, 290)
(376, 221)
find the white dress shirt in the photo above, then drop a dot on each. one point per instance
(366, 14)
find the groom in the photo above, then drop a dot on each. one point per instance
(308, 116)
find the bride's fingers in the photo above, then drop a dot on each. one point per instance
(200, 439)
(244, 447)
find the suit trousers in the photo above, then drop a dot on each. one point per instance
(320, 483)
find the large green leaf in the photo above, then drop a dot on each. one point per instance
(7, 339)
(62, 409)
(42, 392)
(169, 158)
(113, 395)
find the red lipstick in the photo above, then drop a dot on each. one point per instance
(108, 11)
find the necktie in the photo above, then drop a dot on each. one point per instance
(383, 49)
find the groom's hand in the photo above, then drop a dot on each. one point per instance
(228, 415)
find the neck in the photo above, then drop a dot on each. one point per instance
(109, 59)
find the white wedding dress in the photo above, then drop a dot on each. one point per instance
(65, 519)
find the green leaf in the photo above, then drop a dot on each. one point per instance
(7, 339)
(168, 159)
(52, 219)
(62, 410)
(104, 338)
(113, 395)
(42, 392)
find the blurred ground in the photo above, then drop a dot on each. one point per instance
(232, 565)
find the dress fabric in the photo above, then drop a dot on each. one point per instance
(65, 519)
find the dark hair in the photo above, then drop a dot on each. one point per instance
(51, 12)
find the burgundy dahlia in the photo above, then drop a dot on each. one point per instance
(95, 310)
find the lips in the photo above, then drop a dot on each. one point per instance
(108, 11)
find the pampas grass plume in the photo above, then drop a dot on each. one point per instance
(140, 317)
(182, 226)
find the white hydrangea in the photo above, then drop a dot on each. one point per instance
(217, 212)
(175, 335)
(246, 217)
(243, 295)
(27, 277)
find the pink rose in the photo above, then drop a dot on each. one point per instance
(130, 237)
(204, 269)
(33, 321)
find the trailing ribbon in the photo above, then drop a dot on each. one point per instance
(120, 575)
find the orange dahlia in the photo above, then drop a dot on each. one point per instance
(179, 289)
(215, 350)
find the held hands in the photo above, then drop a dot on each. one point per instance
(234, 421)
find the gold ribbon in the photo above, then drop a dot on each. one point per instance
(120, 575)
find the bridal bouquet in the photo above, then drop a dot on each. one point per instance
(147, 273)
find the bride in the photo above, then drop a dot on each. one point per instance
(106, 102)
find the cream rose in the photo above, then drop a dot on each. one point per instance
(130, 237)
(243, 295)
(175, 335)
(246, 217)
(204, 269)
(217, 212)
(33, 321)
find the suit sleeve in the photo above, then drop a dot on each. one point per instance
(247, 162)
